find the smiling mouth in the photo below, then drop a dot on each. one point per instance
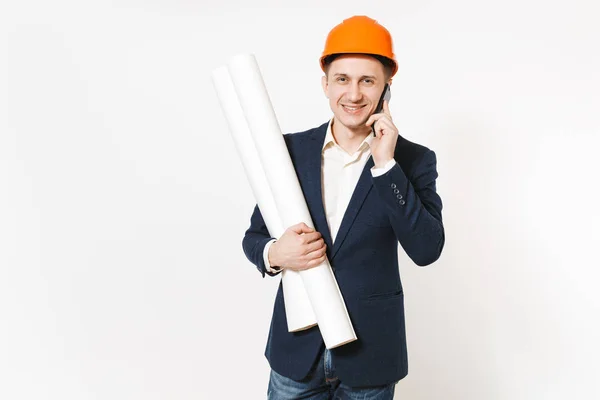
(353, 109)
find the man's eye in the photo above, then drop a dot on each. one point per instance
(341, 79)
(368, 81)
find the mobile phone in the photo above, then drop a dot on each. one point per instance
(386, 95)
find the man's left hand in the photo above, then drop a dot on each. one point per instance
(384, 144)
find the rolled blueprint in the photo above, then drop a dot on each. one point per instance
(299, 313)
(319, 282)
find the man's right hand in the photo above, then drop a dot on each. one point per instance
(299, 248)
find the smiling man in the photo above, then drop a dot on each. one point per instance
(366, 194)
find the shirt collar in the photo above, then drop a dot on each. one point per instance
(330, 140)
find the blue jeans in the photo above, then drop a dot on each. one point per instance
(322, 384)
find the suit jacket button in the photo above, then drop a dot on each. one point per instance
(402, 202)
(396, 191)
(393, 185)
(399, 196)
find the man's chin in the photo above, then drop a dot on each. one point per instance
(354, 124)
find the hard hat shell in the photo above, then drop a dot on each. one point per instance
(360, 34)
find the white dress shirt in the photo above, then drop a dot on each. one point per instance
(340, 172)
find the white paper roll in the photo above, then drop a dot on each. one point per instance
(298, 309)
(319, 282)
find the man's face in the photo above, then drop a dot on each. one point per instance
(353, 85)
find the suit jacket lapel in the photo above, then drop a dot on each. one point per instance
(313, 187)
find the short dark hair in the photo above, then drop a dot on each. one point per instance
(388, 65)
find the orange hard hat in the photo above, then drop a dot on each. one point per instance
(360, 34)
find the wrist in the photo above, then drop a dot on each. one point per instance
(273, 262)
(381, 163)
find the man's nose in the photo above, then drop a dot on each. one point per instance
(354, 94)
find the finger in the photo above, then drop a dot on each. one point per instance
(301, 228)
(313, 255)
(373, 118)
(377, 132)
(386, 108)
(383, 117)
(380, 126)
(386, 126)
(316, 262)
(377, 128)
(311, 237)
(316, 245)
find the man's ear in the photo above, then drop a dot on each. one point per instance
(324, 84)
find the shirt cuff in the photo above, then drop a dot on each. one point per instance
(380, 171)
(266, 257)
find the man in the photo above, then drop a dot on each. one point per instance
(365, 194)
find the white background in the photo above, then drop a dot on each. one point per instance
(123, 202)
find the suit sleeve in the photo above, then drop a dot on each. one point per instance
(414, 208)
(255, 239)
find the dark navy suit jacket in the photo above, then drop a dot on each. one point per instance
(400, 206)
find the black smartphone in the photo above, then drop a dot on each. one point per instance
(386, 95)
